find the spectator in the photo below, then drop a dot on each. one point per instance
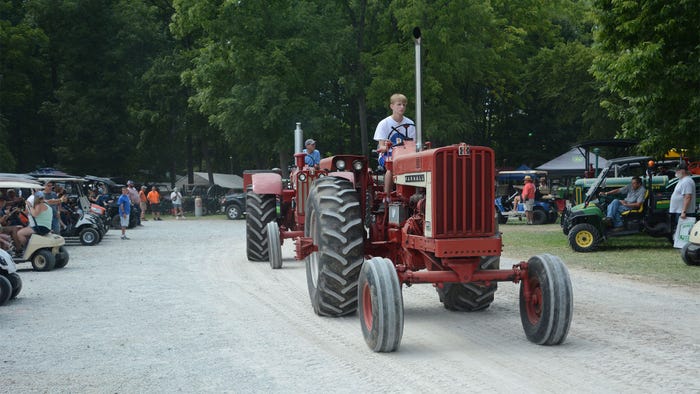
(633, 200)
(176, 199)
(124, 203)
(528, 197)
(683, 199)
(7, 229)
(143, 202)
(154, 199)
(51, 198)
(135, 201)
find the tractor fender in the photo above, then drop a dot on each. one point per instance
(344, 174)
(267, 183)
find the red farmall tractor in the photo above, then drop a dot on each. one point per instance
(439, 228)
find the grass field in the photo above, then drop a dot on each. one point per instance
(641, 257)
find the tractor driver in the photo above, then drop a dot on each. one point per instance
(634, 199)
(388, 130)
(313, 156)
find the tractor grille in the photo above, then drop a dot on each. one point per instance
(463, 193)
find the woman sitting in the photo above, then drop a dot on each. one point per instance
(42, 214)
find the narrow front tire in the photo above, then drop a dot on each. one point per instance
(380, 305)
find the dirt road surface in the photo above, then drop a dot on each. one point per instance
(178, 308)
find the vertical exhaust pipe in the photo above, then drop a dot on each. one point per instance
(298, 139)
(419, 94)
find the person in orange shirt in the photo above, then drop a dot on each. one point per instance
(154, 199)
(528, 198)
(143, 203)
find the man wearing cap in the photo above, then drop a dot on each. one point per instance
(683, 199)
(135, 202)
(313, 156)
(633, 200)
(528, 197)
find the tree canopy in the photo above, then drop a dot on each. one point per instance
(155, 88)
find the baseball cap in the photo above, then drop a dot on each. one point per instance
(310, 142)
(39, 194)
(129, 182)
(528, 178)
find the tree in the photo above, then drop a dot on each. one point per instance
(647, 58)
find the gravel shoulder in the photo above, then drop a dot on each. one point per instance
(179, 308)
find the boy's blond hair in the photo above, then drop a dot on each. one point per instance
(398, 97)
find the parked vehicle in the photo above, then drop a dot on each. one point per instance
(584, 224)
(233, 205)
(544, 211)
(10, 281)
(439, 228)
(691, 251)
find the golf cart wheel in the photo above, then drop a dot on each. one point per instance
(502, 219)
(16, 283)
(89, 236)
(380, 305)
(5, 290)
(470, 297)
(61, 257)
(584, 237)
(233, 212)
(43, 260)
(273, 240)
(688, 257)
(546, 300)
(334, 221)
(539, 216)
(260, 210)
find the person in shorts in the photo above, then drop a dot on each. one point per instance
(43, 217)
(124, 210)
(176, 199)
(154, 199)
(528, 198)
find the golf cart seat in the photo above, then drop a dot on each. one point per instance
(639, 210)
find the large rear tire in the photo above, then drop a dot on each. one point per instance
(380, 305)
(584, 237)
(334, 221)
(546, 310)
(273, 240)
(5, 290)
(260, 210)
(43, 260)
(470, 297)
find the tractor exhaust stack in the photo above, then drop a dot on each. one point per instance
(419, 94)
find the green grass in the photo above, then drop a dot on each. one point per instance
(640, 257)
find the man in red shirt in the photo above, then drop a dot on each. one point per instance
(528, 198)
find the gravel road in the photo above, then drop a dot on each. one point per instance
(178, 308)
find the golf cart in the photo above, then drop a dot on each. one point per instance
(584, 223)
(691, 251)
(545, 209)
(44, 252)
(10, 282)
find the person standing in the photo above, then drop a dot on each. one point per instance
(143, 202)
(124, 203)
(154, 199)
(683, 199)
(135, 200)
(51, 198)
(393, 129)
(528, 198)
(176, 199)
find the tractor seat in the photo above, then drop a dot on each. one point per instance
(641, 207)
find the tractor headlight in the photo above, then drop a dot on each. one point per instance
(340, 164)
(302, 177)
(357, 165)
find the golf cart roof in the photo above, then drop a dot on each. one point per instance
(18, 184)
(106, 181)
(45, 179)
(629, 159)
(617, 143)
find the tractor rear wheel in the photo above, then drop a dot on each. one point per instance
(539, 216)
(380, 305)
(334, 221)
(5, 290)
(260, 210)
(584, 237)
(470, 297)
(273, 240)
(546, 300)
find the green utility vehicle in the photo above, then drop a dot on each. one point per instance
(584, 223)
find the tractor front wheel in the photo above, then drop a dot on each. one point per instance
(470, 297)
(380, 305)
(260, 210)
(584, 237)
(546, 300)
(273, 241)
(334, 222)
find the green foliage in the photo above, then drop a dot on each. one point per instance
(647, 57)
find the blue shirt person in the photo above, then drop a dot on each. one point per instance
(313, 156)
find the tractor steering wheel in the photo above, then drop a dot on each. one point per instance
(397, 137)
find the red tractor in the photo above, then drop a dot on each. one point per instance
(439, 228)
